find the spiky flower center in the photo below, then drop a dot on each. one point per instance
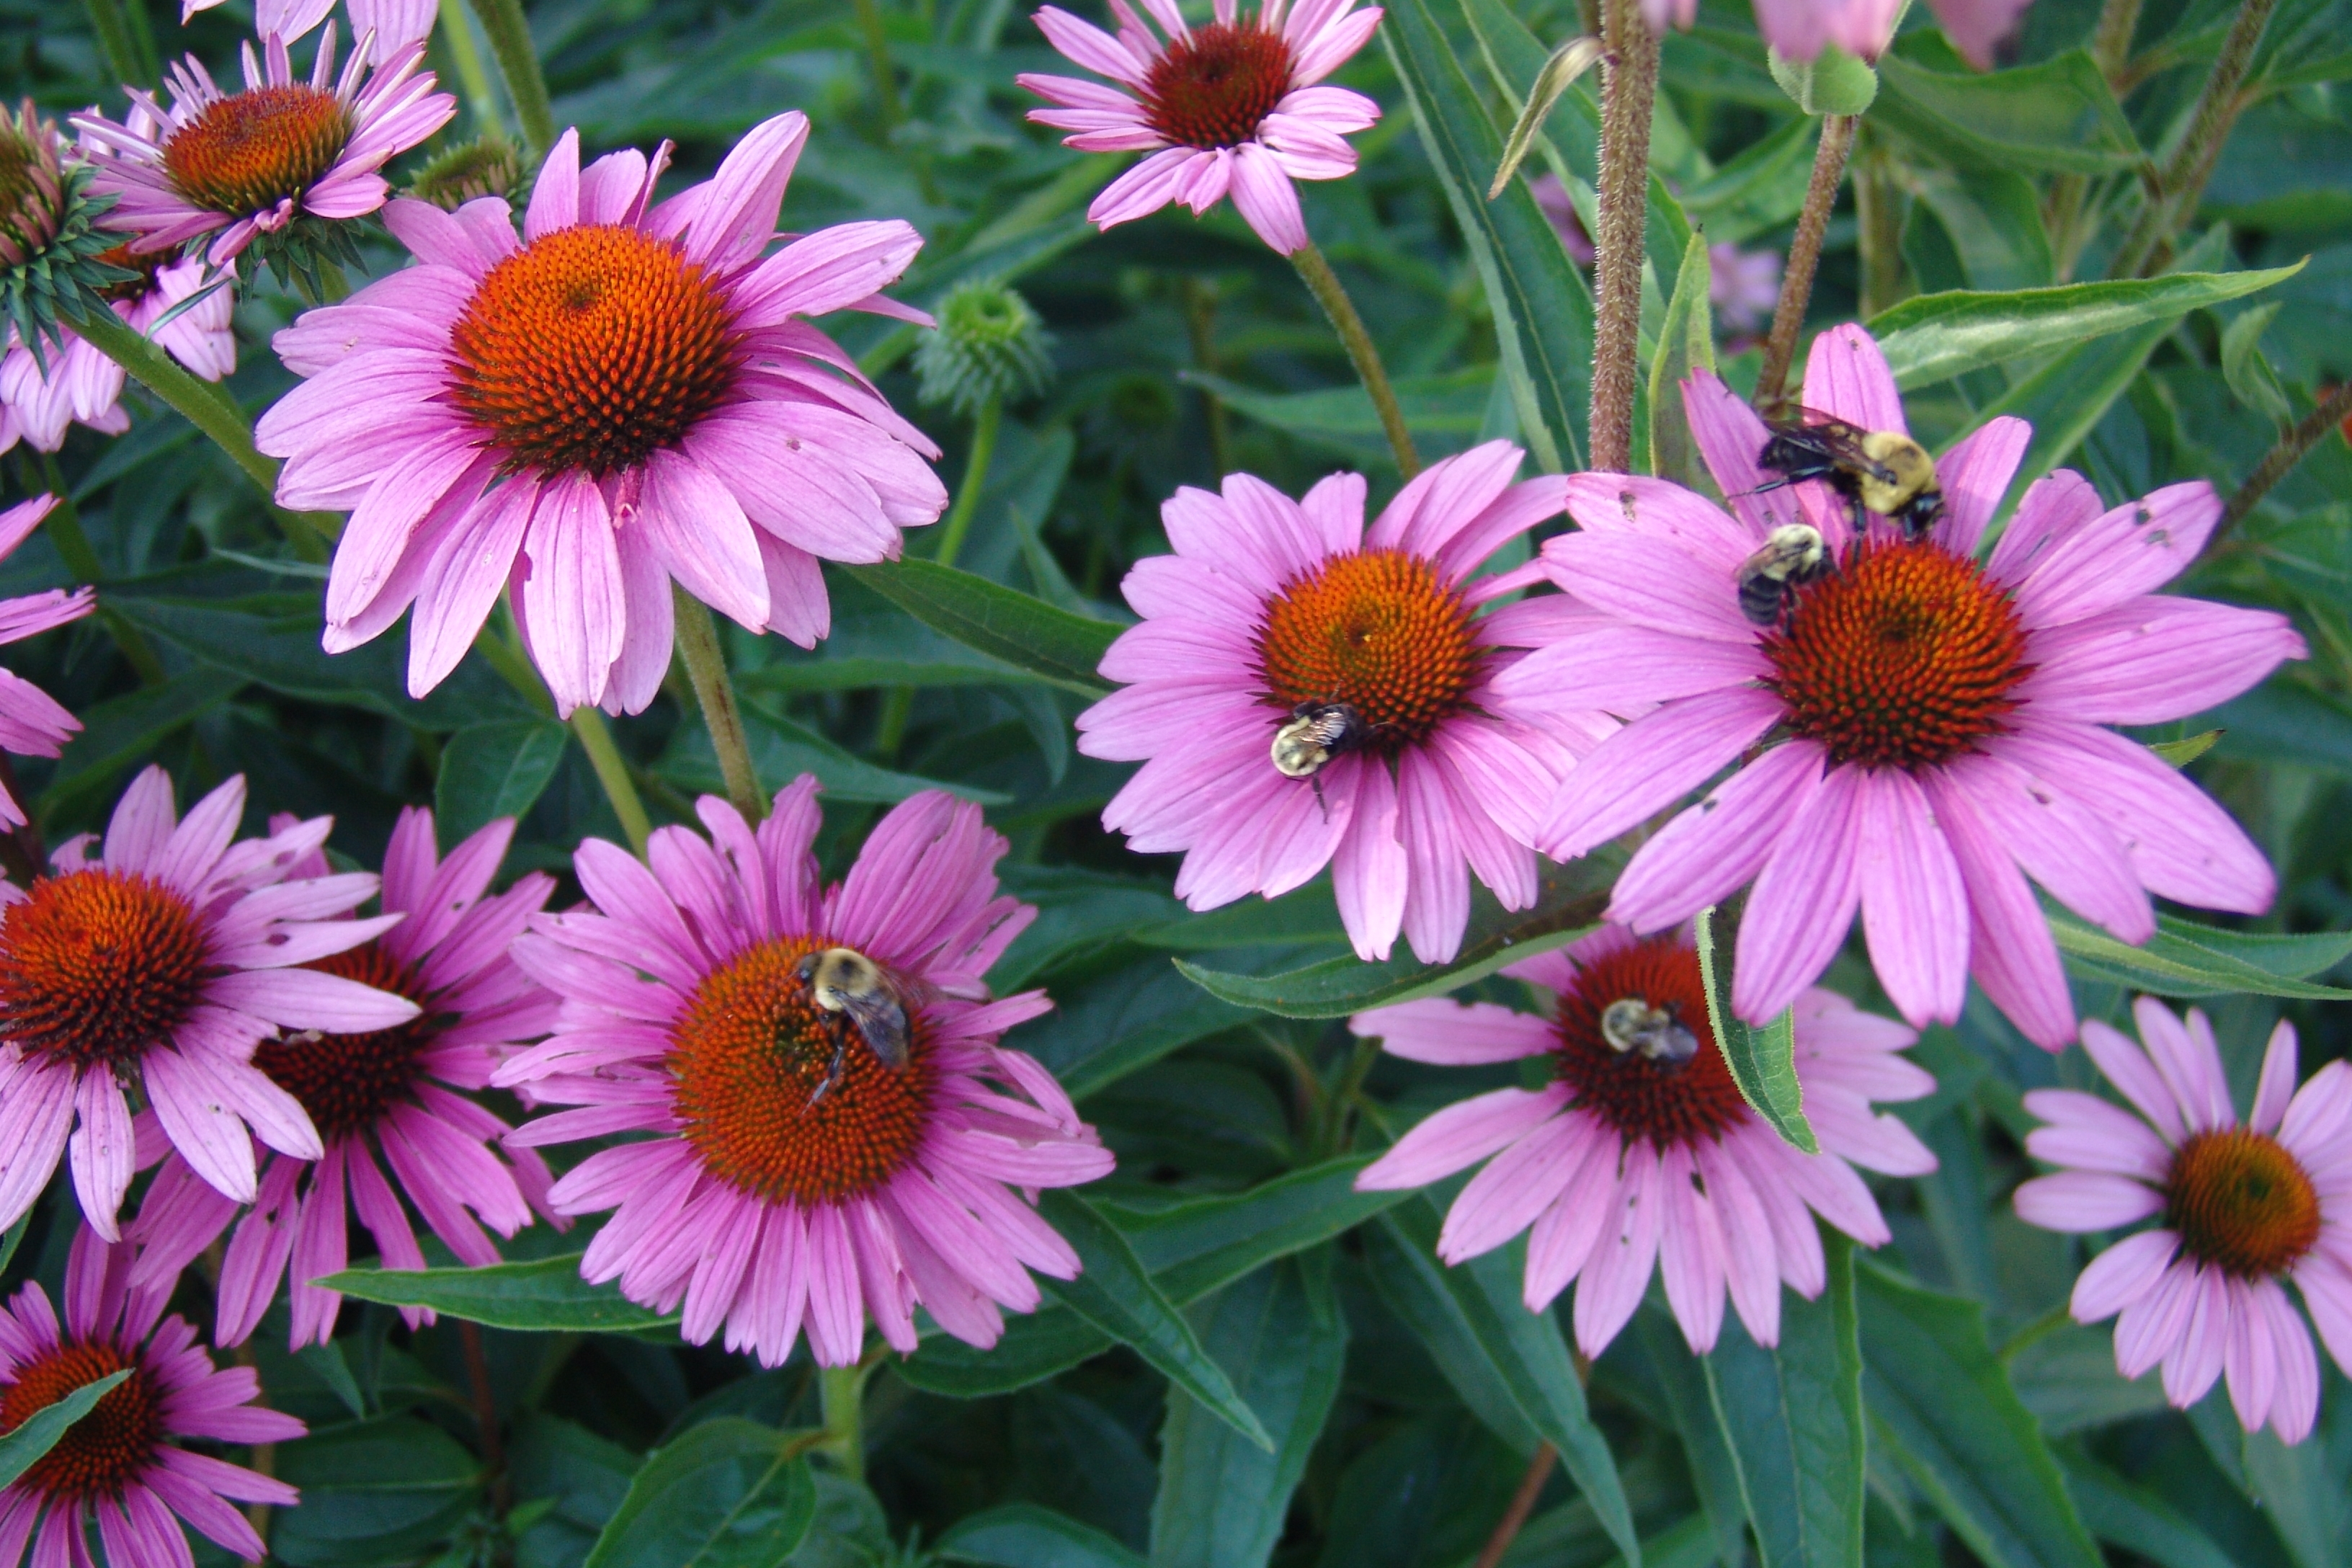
(591, 347)
(347, 1082)
(2241, 1203)
(1376, 630)
(1904, 657)
(1642, 1096)
(1215, 87)
(246, 154)
(107, 1449)
(97, 965)
(748, 1055)
(149, 266)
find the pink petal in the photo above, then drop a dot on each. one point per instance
(1803, 900)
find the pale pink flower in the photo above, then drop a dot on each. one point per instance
(117, 1464)
(1941, 724)
(247, 164)
(1629, 1157)
(1270, 605)
(32, 722)
(2241, 1208)
(1230, 108)
(1743, 285)
(160, 966)
(81, 384)
(770, 1196)
(1797, 28)
(385, 1097)
(625, 394)
(395, 22)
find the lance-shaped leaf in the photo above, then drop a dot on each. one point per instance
(545, 1294)
(1763, 1060)
(23, 1447)
(724, 1494)
(2183, 959)
(1566, 63)
(1001, 622)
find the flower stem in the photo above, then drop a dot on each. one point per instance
(64, 528)
(486, 1414)
(2182, 179)
(877, 50)
(471, 74)
(1804, 256)
(1523, 1503)
(1324, 284)
(509, 35)
(2280, 460)
(118, 45)
(595, 737)
(985, 428)
(706, 666)
(2111, 42)
(842, 1391)
(209, 409)
(1200, 321)
(1628, 96)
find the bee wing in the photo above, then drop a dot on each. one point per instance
(881, 1021)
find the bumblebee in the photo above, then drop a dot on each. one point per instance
(1317, 732)
(851, 989)
(1631, 1023)
(1878, 470)
(1792, 556)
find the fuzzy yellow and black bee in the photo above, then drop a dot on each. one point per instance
(1315, 734)
(1631, 1023)
(1881, 471)
(852, 988)
(1792, 556)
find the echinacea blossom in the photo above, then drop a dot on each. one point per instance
(1271, 606)
(1233, 108)
(1634, 1155)
(122, 1464)
(161, 963)
(791, 1177)
(1797, 29)
(624, 395)
(1920, 734)
(384, 1098)
(32, 722)
(71, 381)
(243, 164)
(2241, 1208)
(395, 22)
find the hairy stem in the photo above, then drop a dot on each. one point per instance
(1804, 258)
(706, 666)
(841, 1392)
(1329, 293)
(2281, 459)
(486, 1414)
(1200, 323)
(209, 409)
(1628, 94)
(118, 44)
(877, 50)
(595, 737)
(1523, 1503)
(2111, 41)
(510, 33)
(472, 75)
(2182, 178)
(984, 429)
(63, 525)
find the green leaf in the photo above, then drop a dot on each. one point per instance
(1002, 623)
(2184, 959)
(1943, 1401)
(1564, 65)
(2067, 1377)
(489, 771)
(1509, 1365)
(2056, 117)
(373, 1492)
(22, 1447)
(1993, 218)
(545, 1294)
(783, 750)
(9, 1242)
(1682, 1378)
(1341, 419)
(1118, 1297)
(126, 729)
(1762, 188)
(1569, 899)
(2304, 1501)
(1542, 310)
(875, 643)
(1763, 1061)
(724, 1494)
(2181, 752)
(1834, 82)
(1935, 337)
(1023, 1535)
(1791, 1417)
(2244, 368)
(1280, 1336)
(2138, 1520)
(1685, 343)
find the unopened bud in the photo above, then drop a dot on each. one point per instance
(32, 184)
(989, 344)
(489, 166)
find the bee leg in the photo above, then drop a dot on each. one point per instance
(1320, 801)
(833, 1072)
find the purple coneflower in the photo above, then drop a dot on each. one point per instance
(774, 1195)
(1940, 723)
(77, 383)
(626, 394)
(1641, 1152)
(32, 722)
(2241, 1208)
(1229, 108)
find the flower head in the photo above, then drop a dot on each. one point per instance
(54, 262)
(624, 395)
(990, 344)
(1940, 721)
(1273, 613)
(381, 1097)
(796, 1176)
(163, 962)
(2240, 1208)
(1232, 108)
(243, 165)
(1642, 1151)
(32, 722)
(1797, 29)
(118, 1464)
(72, 380)
(396, 24)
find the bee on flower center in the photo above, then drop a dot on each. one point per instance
(851, 989)
(1631, 1023)
(1792, 556)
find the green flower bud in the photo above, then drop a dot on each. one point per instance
(989, 344)
(489, 166)
(32, 184)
